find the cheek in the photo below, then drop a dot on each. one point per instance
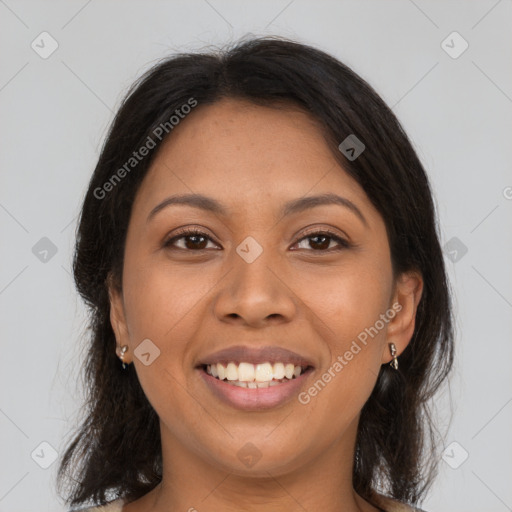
(159, 299)
(349, 300)
(166, 304)
(350, 303)
(160, 304)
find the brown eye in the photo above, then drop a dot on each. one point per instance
(321, 241)
(194, 240)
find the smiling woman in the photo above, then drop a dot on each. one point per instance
(269, 308)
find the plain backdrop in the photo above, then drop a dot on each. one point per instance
(454, 102)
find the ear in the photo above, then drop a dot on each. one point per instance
(406, 297)
(118, 317)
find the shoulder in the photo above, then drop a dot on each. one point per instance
(113, 506)
(392, 505)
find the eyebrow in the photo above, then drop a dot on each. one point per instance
(291, 207)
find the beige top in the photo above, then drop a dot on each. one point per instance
(387, 504)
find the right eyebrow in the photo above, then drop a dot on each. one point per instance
(195, 200)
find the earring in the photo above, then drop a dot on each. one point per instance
(124, 348)
(392, 349)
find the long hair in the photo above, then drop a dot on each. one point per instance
(116, 450)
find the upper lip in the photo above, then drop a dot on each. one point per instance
(254, 355)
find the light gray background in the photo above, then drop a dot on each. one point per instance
(54, 115)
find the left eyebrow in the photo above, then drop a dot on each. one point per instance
(304, 203)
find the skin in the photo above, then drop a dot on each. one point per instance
(312, 300)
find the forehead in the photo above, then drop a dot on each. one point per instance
(245, 154)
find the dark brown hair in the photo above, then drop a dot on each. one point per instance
(116, 450)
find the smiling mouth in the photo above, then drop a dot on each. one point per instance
(255, 376)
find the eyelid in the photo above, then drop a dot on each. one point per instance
(328, 231)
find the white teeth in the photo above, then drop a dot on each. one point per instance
(278, 371)
(246, 372)
(231, 372)
(263, 372)
(288, 371)
(252, 376)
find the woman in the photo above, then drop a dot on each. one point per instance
(269, 307)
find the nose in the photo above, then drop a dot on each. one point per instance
(255, 294)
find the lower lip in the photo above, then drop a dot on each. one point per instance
(255, 399)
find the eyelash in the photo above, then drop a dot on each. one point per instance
(344, 244)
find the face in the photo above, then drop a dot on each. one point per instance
(315, 279)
